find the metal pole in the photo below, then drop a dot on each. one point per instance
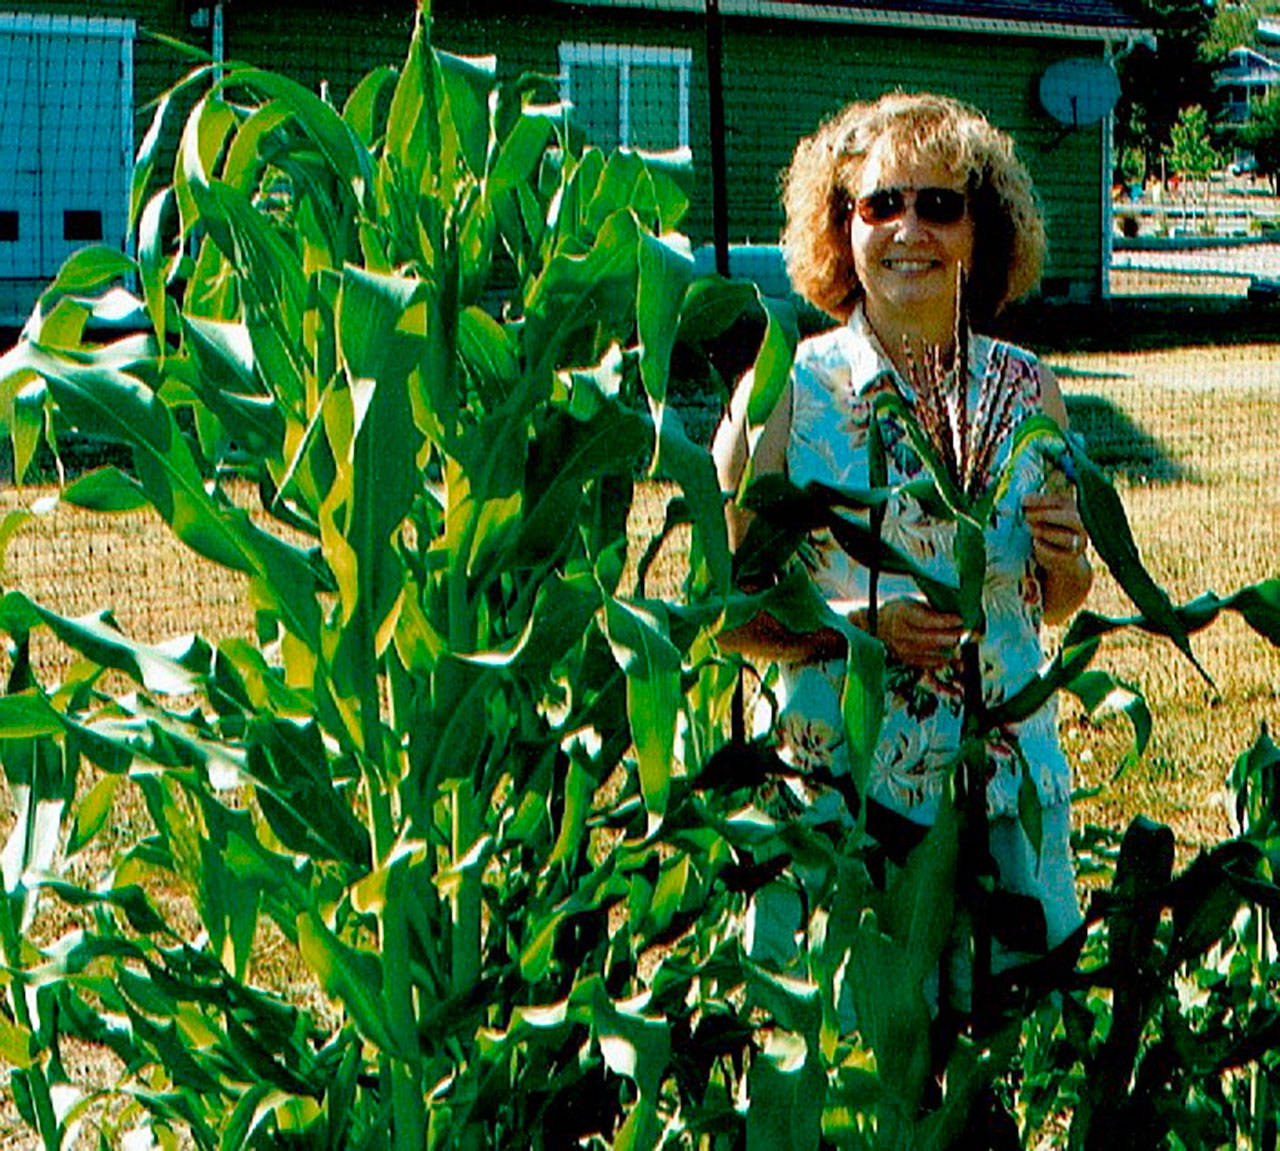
(715, 101)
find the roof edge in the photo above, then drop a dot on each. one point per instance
(894, 18)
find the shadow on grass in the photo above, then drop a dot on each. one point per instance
(1121, 447)
(1141, 323)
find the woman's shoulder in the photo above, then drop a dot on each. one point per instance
(989, 346)
(842, 358)
(1014, 366)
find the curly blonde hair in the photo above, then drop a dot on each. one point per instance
(821, 184)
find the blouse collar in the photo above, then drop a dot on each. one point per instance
(868, 361)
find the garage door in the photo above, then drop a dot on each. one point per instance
(66, 95)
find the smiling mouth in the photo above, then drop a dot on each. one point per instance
(904, 265)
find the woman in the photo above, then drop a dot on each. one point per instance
(883, 205)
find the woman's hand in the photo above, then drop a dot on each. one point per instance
(1058, 537)
(1058, 542)
(914, 633)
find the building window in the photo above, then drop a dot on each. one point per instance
(628, 95)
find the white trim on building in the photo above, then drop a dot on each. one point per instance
(624, 57)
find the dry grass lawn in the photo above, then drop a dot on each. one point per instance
(1191, 438)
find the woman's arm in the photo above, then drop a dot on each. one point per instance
(1058, 538)
(762, 637)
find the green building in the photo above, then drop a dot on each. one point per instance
(77, 79)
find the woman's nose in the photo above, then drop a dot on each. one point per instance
(909, 224)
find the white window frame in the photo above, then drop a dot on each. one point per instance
(624, 56)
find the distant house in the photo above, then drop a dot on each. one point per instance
(77, 84)
(1248, 78)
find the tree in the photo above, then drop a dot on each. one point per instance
(1190, 151)
(1233, 25)
(1191, 154)
(1262, 137)
(1155, 85)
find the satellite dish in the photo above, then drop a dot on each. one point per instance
(1080, 91)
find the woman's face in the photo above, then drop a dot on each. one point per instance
(906, 246)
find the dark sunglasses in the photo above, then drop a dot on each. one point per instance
(933, 205)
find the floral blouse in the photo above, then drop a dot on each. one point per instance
(834, 382)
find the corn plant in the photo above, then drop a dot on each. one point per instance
(433, 333)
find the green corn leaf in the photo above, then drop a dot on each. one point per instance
(1108, 527)
(691, 466)
(148, 149)
(130, 900)
(270, 269)
(351, 976)
(580, 304)
(464, 112)
(37, 783)
(92, 813)
(28, 715)
(117, 405)
(10, 525)
(488, 355)
(1251, 783)
(862, 703)
(105, 490)
(377, 467)
(565, 456)
(224, 379)
(289, 763)
(535, 956)
(517, 155)
(637, 1048)
(450, 738)
(27, 423)
(413, 140)
(1259, 606)
(203, 137)
(665, 274)
(174, 669)
(920, 904)
(579, 786)
(892, 1014)
(772, 368)
(16, 1045)
(245, 156)
(152, 260)
(652, 666)
(343, 150)
(1102, 694)
(675, 882)
(787, 1086)
(361, 110)
(1069, 663)
(776, 915)
(92, 268)
(669, 177)
(62, 325)
(477, 238)
(712, 305)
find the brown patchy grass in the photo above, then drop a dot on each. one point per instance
(1191, 438)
